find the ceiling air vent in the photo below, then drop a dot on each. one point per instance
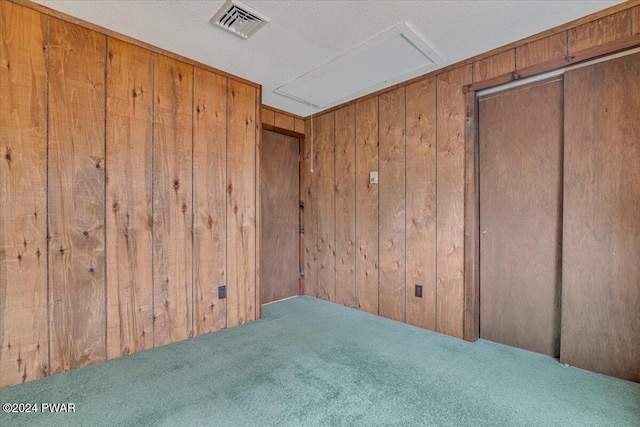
(239, 19)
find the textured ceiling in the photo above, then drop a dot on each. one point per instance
(305, 34)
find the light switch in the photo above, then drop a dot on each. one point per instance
(373, 177)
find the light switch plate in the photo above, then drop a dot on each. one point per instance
(373, 177)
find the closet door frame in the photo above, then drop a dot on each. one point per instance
(471, 285)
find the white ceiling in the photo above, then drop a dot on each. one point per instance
(304, 34)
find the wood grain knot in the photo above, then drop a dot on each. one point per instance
(62, 250)
(7, 156)
(97, 165)
(91, 270)
(115, 206)
(176, 184)
(180, 76)
(134, 94)
(85, 233)
(110, 55)
(229, 189)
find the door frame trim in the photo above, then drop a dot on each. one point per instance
(471, 315)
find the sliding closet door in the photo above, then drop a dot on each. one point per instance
(601, 256)
(521, 216)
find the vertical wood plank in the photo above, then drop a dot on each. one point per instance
(298, 125)
(450, 208)
(326, 206)
(257, 203)
(494, 66)
(367, 205)
(23, 195)
(310, 211)
(209, 200)
(601, 239)
(241, 199)
(284, 121)
(635, 19)
(76, 196)
(268, 116)
(129, 198)
(392, 220)
(421, 203)
(172, 169)
(346, 205)
(540, 51)
(596, 33)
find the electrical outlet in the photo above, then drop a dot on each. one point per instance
(222, 292)
(419, 291)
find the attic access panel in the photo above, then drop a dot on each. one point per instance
(384, 60)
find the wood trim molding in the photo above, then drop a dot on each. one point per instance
(113, 34)
(283, 131)
(471, 319)
(258, 206)
(277, 110)
(582, 56)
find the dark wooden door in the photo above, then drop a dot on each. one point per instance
(521, 138)
(601, 257)
(280, 216)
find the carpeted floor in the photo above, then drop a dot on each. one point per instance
(311, 363)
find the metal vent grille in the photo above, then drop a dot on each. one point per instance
(239, 19)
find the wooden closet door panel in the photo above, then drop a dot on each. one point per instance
(280, 210)
(521, 216)
(601, 253)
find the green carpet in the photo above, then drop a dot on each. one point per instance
(311, 363)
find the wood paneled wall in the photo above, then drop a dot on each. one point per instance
(127, 197)
(410, 228)
(272, 117)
